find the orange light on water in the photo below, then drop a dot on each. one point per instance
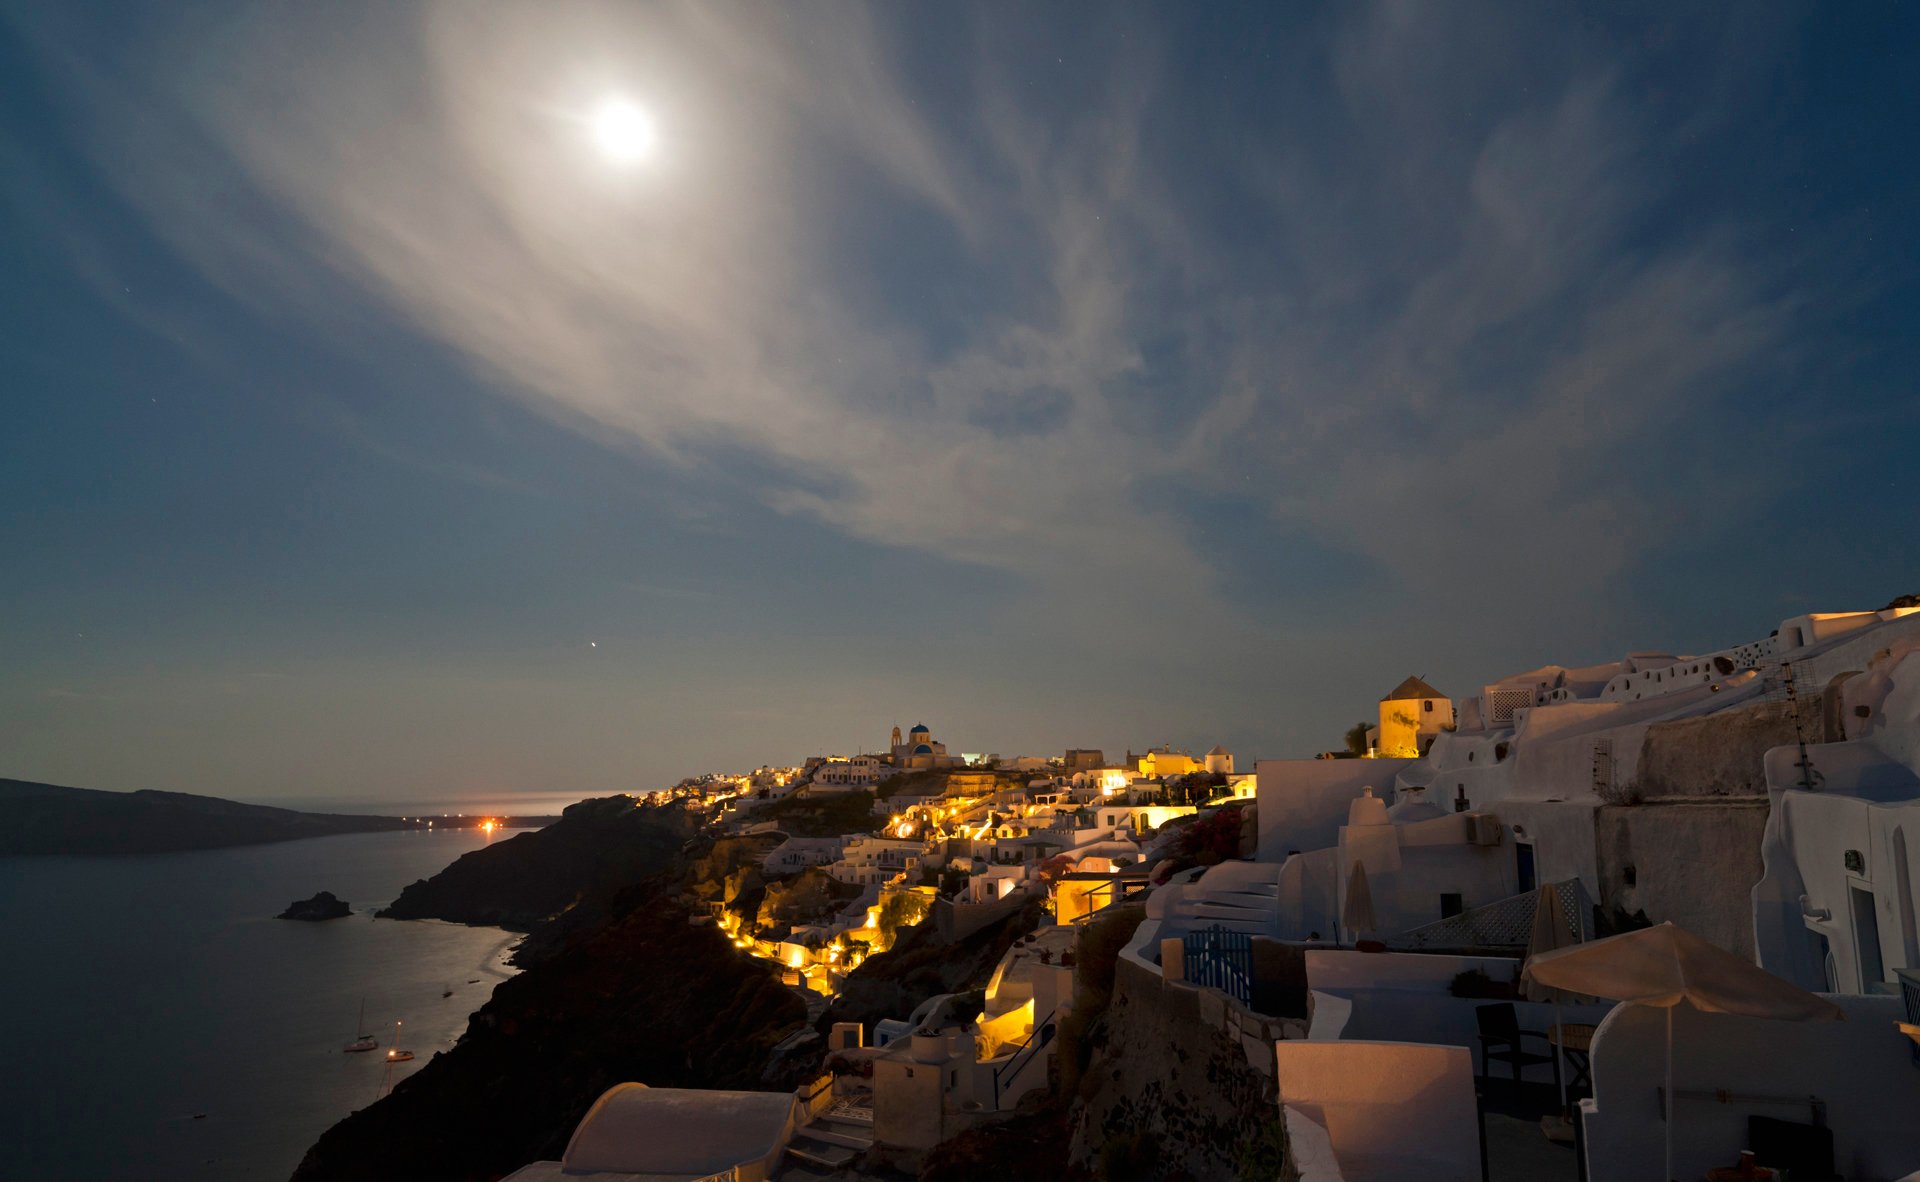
(489, 826)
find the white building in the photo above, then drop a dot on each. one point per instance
(797, 853)
(847, 774)
(1837, 907)
(870, 861)
(636, 1131)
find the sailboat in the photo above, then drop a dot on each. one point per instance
(394, 1053)
(365, 1042)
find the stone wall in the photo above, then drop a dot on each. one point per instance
(1694, 862)
(1183, 1083)
(956, 920)
(1720, 754)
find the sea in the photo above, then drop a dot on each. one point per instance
(160, 1024)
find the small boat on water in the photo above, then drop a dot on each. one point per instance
(365, 1042)
(394, 1053)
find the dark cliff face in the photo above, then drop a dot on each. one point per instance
(646, 997)
(595, 848)
(618, 985)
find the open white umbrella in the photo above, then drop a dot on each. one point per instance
(1664, 966)
(1357, 914)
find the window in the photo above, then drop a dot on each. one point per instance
(1427, 706)
(1450, 904)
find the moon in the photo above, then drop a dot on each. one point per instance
(623, 131)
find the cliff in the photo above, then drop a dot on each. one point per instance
(624, 979)
(595, 848)
(49, 819)
(647, 996)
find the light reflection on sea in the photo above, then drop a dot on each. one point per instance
(147, 990)
(519, 804)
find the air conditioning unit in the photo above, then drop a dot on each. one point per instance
(1485, 829)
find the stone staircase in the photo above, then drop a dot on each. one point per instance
(1249, 907)
(829, 1144)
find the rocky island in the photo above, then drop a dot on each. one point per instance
(318, 909)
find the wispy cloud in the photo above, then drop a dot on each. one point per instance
(1415, 312)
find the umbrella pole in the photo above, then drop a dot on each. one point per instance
(1670, 1095)
(1560, 1054)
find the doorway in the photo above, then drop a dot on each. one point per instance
(1866, 940)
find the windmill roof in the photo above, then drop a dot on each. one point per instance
(1412, 689)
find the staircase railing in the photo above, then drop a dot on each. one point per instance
(1023, 1054)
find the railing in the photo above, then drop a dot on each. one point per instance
(1116, 893)
(1910, 994)
(1816, 1107)
(1009, 1071)
(1220, 959)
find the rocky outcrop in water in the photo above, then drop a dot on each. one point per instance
(321, 907)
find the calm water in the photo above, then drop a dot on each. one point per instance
(145, 990)
(522, 804)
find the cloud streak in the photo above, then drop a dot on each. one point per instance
(1449, 344)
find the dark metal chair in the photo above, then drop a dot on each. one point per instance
(1501, 1038)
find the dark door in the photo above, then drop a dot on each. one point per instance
(1523, 855)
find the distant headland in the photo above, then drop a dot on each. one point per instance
(50, 819)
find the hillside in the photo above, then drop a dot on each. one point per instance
(596, 846)
(598, 1012)
(49, 819)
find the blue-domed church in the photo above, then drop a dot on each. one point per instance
(919, 750)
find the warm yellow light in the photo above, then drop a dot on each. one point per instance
(623, 131)
(489, 827)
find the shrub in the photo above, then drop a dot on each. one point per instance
(1130, 1155)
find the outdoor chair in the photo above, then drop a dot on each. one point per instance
(1501, 1038)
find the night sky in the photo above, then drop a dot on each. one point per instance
(1056, 375)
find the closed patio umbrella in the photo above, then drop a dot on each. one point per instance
(1357, 914)
(1550, 933)
(1665, 966)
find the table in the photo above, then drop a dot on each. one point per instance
(1574, 1040)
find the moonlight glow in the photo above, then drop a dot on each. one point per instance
(623, 131)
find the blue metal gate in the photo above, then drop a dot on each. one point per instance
(1220, 959)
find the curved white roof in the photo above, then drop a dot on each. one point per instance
(635, 1129)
